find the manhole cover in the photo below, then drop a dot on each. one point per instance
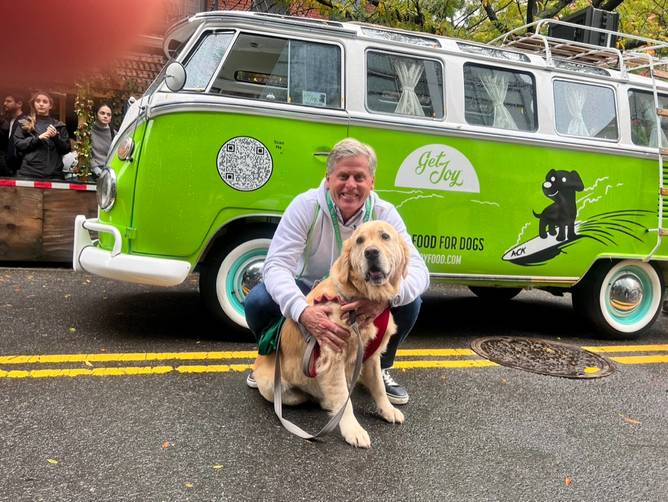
(546, 358)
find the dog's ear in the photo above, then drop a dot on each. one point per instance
(402, 263)
(550, 173)
(576, 181)
(341, 267)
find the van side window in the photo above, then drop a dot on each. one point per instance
(501, 98)
(585, 110)
(404, 85)
(205, 58)
(643, 119)
(283, 71)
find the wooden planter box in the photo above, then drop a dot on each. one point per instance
(37, 218)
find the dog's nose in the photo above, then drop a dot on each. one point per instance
(371, 253)
(547, 184)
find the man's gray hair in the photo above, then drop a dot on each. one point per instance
(350, 147)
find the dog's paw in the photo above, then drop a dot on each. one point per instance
(391, 415)
(357, 437)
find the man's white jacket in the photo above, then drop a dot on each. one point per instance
(304, 247)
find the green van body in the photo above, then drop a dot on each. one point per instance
(471, 198)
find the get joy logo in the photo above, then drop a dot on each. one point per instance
(438, 167)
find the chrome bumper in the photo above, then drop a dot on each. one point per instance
(88, 257)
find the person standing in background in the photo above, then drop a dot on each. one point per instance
(101, 135)
(41, 140)
(13, 112)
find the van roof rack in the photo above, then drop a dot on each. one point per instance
(645, 53)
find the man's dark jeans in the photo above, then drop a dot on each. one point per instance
(262, 312)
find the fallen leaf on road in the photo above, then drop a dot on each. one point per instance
(165, 444)
(504, 381)
(189, 485)
(631, 421)
(51, 461)
(88, 363)
(218, 466)
(568, 481)
(68, 296)
(72, 330)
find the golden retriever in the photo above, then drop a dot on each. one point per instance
(372, 264)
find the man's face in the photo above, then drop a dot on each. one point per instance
(349, 184)
(10, 105)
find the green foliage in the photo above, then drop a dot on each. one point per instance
(83, 107)
(483, 20)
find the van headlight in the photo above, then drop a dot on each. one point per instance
(106, 189)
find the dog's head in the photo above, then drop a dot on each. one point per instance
(557, 182)
(373, 261)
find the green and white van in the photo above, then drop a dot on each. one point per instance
(530, 162)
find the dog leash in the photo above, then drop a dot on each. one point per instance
(278, 388)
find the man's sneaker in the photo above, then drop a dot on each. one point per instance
(395, 392)
(250, 381)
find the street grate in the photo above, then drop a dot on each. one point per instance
(541, 356)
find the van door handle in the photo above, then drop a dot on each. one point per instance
(321, 154)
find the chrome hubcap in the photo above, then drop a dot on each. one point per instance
(626, 293)
(251, 276)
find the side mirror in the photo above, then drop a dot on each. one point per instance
(175, 76)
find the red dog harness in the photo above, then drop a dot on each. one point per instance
(380, 322)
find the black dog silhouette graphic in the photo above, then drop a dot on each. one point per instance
(560, 187)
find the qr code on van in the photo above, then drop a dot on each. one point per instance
(244, 163)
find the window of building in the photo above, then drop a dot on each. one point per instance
(585, 110)
(283, 71)
(404, 85)
(497, 97)
(643, 119)
(205, 58)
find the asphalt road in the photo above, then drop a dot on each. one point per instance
(151, 405)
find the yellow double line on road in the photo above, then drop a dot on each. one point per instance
(407, 359)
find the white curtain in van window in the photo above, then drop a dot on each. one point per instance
(649, 115)
(575, 101)
(496, 86)
(409, 73)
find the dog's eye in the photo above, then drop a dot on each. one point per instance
(563, 180)
(384, 236)
(360, 240)
(553, 178)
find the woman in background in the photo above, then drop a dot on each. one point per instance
(101, 136)
(41, 140)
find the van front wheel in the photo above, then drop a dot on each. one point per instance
(620, 299)
(231, 272)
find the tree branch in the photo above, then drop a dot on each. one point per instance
(492, 16)
(547, 13)
(611, 5)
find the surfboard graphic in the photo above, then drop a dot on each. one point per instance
(538, 250)
(603, 228)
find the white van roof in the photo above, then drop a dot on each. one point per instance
(529, 43)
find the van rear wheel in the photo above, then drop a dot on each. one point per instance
(232, 270)
(620, 299)
(495, 294)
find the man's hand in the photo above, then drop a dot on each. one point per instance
(315, 319)
(365, 310)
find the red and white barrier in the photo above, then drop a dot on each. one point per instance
(47, 185)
